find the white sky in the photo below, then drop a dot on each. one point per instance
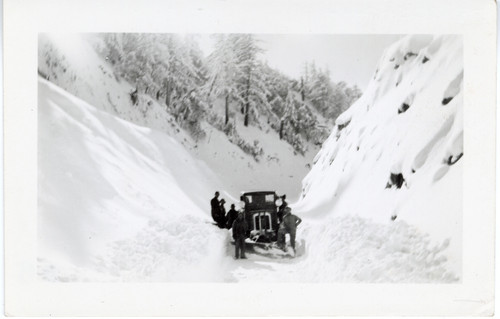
(350, 58)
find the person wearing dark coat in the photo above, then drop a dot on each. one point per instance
(288, 225)
(240, 228)
(214, 203)
(281, 209)
(221, 222)
(231, 216)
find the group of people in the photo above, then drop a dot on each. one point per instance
(231, 220)
(235, 220)
(221, 218)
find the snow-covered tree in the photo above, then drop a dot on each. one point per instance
(161, 65)
(172, 69)
(252, 91)
(113, 50)
(182, 76)
(223, 72)
(330, 99)
(320, 90)
(289, 113)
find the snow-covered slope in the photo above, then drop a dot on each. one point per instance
(71, 62)
(118, 201)
(395, 156)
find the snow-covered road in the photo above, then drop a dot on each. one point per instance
(350, 249)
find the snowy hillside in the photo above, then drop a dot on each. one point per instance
(71, 62)
(117, 201)
(395, 156)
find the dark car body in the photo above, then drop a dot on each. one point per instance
(261, 215)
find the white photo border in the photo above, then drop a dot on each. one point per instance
(26, 295)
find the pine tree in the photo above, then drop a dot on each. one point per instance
(252, 92)
(223, 72)
(180, 73)
(113, 51)
(302, 89)
(330, 99)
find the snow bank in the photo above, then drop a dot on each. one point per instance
(118, 201)
(395, 154)
(354, 249)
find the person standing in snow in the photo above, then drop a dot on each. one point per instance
(281, 209)
(214, 203)
(222, 214)
(288, 226)
(231, 216)
(240, 228)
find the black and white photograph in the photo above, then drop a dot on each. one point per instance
(247, 157)
(190, 158)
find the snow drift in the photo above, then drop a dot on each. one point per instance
(395, 156)
(118, 201)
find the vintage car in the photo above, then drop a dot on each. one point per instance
(261, 214)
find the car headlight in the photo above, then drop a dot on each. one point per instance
(279, 202)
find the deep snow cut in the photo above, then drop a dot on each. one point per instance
(123, 202)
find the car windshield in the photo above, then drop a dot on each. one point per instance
(259, 199)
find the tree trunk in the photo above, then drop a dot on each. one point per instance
(302, 91)
(212, 85)
(246, 113)
(282, 123)
(227, 109)
(168, 93)
(247, 102)
(158, 95)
